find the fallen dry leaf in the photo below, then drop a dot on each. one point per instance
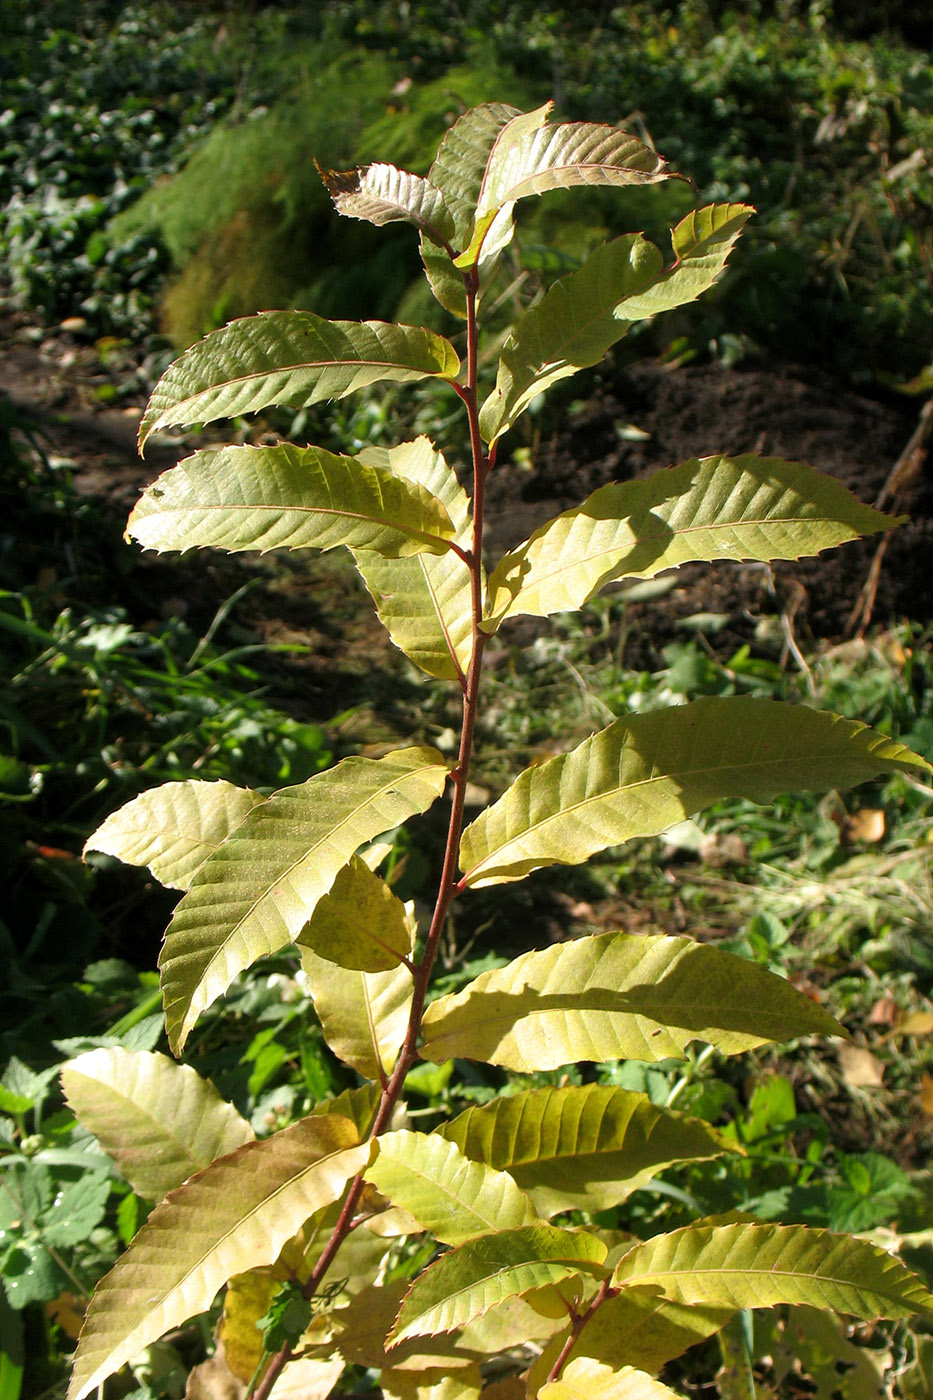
(926, 1095)
(860, 1068)
(866, 826)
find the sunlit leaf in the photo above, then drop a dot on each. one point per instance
(159, 1121)
(468, 1280)
(425, 601)
(235, 1215)
(643, 1330)
(257, 892)
(364, 1015)
(711, 508)
(173, 829)
(308, 1378)
(758, 1266)
(587, 311)
(289, 359)
(644, 773)
(246, 1300)
(617, 996)
(426, 1382)
(382, 194)
(586, 1379)
(287, 497)
(360, 924)
(585, 1146)
(449, 1195)
(530, 158)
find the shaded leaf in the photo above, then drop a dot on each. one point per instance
(757, 1266)
(422, 1381)
(584, 1147)
(644, 773)
(708, 508)
(617, 996)
(425, 602)
(364, 1015)
(173, 829)
(234, 1216)
(587, 311)
(256, 893)
(159, 1121)
(286, 497)
(467, 1281)
(360, 923)
(382, 194)
(247, 1299)
(290, 359)
(448, 1194)
(585, 1379)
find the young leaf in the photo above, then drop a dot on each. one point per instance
(257, 892)
(587, 311)
(291, 359)
(360, 924)
(468, 1280)
(425, 602)
(642, 774)
(452, 1197)
(235, 1215)
(287, 497)
(617, 996)
(758, 1266)
(364, 1015)
(583, 1147)
(159, 1121)
(708, 508)
(382, 194)
(586, 1379)
(173, 829)
(531, 158)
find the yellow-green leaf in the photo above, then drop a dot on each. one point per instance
(364, 1015)
(758, 1266)
(424, 1381)
(234, 1216)
(382, 194)
(711, 508)
(580, 1146)
(360, 924)
(173, 829)
(466, 1281)
(585, 1379)
(257, 892)
(642, 774)
(425, 602)
(290, 359)
(617, 996)
(159, 1121)
(287, 497)
(449, 1195)
(587, 311)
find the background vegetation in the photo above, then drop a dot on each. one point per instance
(155, 180)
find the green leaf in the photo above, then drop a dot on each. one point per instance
(708, 508)
(364, 1015)
(469, 1280)
(531, 158)
(382, 194)
(641, 1330)
(257, 892)
(586, 1379)
(758, 1266)
(360, 924)
(159, 1121)
(583, 1147)
(287, 497)
(617, 996)
(291, 359)
(452, 1197)
(424, 1381)
(644, 773)
(587, 311)
(425, 602)
(234, 1216)
(173, 829)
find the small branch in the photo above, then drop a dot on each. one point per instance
(604, 1291)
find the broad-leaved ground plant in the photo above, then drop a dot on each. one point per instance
(351, 1238)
